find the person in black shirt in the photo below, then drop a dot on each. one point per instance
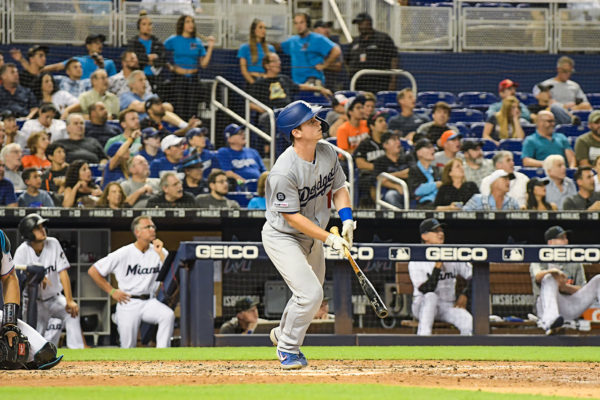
(545, 102)
(14, 97)
(406, 123)
(32, 68)
(193, 182)
(172, 194)
(365, 154)
(98, 127)
(79, 147)
(53, 179)
(455, 190)
(396, 163)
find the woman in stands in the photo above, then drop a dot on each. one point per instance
(506, 123)
(259, 202)
(536, 196)
(251, 54)
(112, 197)
(80, 188)
(37, 143)
(148, 48)
(46, 90)
(188, 56)
(455, 189)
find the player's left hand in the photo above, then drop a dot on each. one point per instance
(72, 308)
(348, 227)
(157, 245)
(461, 302)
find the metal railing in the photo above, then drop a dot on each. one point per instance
(397, 72)
(348, 157)
(379, 202)
(216, 104)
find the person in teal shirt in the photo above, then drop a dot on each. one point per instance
(545, 142)
(90, 62)
(251, 54)
(259, 202)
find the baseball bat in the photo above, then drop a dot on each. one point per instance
(376, 302)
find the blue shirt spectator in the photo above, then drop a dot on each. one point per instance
(14, 97)
(88, 66)
(306, 52)
(244, 52)
(7, 192)
(149, 157)
(186, 51)
(127, 98)
(74, 87)
(480, 202)
(172, 146)
(42, 199)
(257, 203)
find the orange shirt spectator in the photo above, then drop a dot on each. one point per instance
(33, 161)
(350, 136)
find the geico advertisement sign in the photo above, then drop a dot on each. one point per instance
(456, 254)
(358, 253)
(233, 252)
(575, 254)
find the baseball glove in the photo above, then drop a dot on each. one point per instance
(15, 356)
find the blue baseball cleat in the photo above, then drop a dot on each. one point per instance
(291, 360)
(273, 335)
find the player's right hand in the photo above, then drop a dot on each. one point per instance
(120, 296)
(337, 242)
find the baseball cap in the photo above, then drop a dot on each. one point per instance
(323, 24)
(6, 114)
(169, 141)
(554, 232)
(95, 36)
(387, 136)
(543, 87)
(150, 101)
(362, 17)
(373, 117)
(192, 161)
(429, 224)
(594, 117)
(149, 132)
(448, 135)
(35, 48)
(471, 145)
(422, 143)
(506, 83)
(352, 101)
(232, 129)
(500, 173)
(244, 304)
(535, 181)
(339, 99)
(196, 132)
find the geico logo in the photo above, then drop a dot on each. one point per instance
(456, 254)
(358, 253)
(573, 254)
(233, 252)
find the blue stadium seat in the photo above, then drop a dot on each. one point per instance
(571, 130)
(526, 98)
(477, 100)
(422, 111)
(96, 170)
(493, 5)
(517, 158)
(489, 154)
(533, 172)
(463, 129)
(511, 145)
(489, 145)
(528, 129)
(323, 112)
(389, 111)
(466, 115)
(477, 130)
(444, 4)
(386, 97)
(347, 93)
(332, 140)
(594, 99)
(582, 114)
(428, 99)
(313, 98)
(571, 172)
(406, 145)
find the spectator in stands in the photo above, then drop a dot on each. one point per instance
(34, 196)
(99, 92)
(157, 113)
(587, 147)
(561, 186)
(455, 190)
(504, 160)
(355, 129)
(192, 181)
(112, 197)
(11, 129)
(7, 189)
(597, 175)
(73, 83)
(372, 50)
(245, 320)
(564, 90)
(546, 102)
(337, 115)
(134, 95)
(37, 143)
(196, 139)
(259, 202)
(172, 146)
(139, 187)
(449, 144)
(188, 56)
(369, 106)
(310, 52)
(545, 142)
(47, 91)
(239, 162)
(536, 196)
(97, 126)
(14, 97)
(119, 83)
(130, 122)
(505, 123)
(476, 165)
(148, 49)
(371, 148)
(423, 178)
(219, 187)
(151, 145)
(172, 194)
(2, 134)
(393, 162)
(10, 155)
(91, 62)
(497, 198)
(406, 123)
(333, 74)
(118, 155)
(433, 130)
(586, 198)
(54, 177)
(46, 122)
(32, 66)
(506, 89)
(80, 189)
(80, 147)
(251, 54)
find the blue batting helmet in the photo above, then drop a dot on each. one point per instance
(295, 114)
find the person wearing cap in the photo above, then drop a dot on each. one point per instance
(148, 48)
(507, 88)
(536, 196)
(449, 144)
(150, 149)
(14, 97)
(545, 142)
(192, 181)
(97, 126)
(394, 162)
(130, 123)
(564, 90)
(455, 189)
(434, 129)
(337, 115)
(504, 160)
(218, 183)
(98, 92)
(560, 187)
(80, 147)
(7, 189)
(72, 82)
(423, 177)
(476, 165)
(407, 122)
(239, 162)
(34, 196)
(310, 52)
(546, 102)
(506, 123)
(48, 122)
(372, 50)
(119, 83)
(90, 62)
(586, 198)
(10, 156)
(245, 320)
(119, 153)
(587, 146)
(559, 289)
(46, 90)
(434, 296)
(498, 198)
(138, 187)
(196, 139)
(355, 129)
(32, 66)
(251, 54)
(11, 128)
(173, 147)
(158, 112)
(171, 194)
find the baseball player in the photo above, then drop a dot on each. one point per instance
(136, 267)
(560, 289)
(434, 282)
(40, 249)
(297, 194)
(22, 346)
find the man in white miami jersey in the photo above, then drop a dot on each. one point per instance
(38, 248)
(298, 189)
(434, 282)
(136, 267)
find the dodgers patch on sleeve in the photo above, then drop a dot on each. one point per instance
(280, 196)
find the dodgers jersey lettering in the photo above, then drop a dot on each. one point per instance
(419, 272)
(295, 185)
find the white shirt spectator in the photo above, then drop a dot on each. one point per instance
(518, 188)
(63, 99)
(57, 130)
(563, 92)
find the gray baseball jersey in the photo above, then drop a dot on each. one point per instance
(419, 272)
(574, 271)
(295, 185)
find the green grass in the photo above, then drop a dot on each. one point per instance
(260, 392)
(471, 353)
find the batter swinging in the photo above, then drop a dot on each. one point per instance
(297, 194)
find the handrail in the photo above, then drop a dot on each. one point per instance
(402, 72)
(244, 121)
(379, 202)
(350, 161)
(340, 20)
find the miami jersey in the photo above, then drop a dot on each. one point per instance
(420, 271)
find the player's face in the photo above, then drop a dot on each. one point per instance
(434, 237)
(311, 130)
(559, 241)
(146, 230)
(250, 315)
(40, 233)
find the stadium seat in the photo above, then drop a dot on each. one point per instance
(477, 100)
(594, 99)
(389, 111)
(582, 114)
(323, 112)
(386, 97)
(517, 158)
(526, 98)
(571, 130)
(466, 115)
(332, 140)
(511, 145)
(463, 129)
(489, 154)
(533, 172)
(347, 93)
(428, 99)
(489, 145)
(528, 129)
(96, 170)
(406, 145)
(477, 130)
(571, 172)
(422, 111)
(313, 98)
(493, 5)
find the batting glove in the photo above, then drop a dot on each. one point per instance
(348, 227)
(337, 242)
